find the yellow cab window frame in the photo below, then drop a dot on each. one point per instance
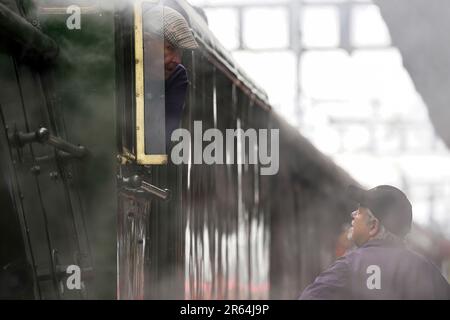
(141, 156)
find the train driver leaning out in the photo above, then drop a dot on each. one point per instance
(381, 267)
(174, 37)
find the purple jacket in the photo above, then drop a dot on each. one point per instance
(379, 270)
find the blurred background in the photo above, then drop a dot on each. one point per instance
(363, 80)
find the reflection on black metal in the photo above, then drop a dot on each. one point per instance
(132, 221)
(226, 235)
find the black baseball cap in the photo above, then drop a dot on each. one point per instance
(388, 204)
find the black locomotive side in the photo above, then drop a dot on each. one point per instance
(72, 192)
(229, 232)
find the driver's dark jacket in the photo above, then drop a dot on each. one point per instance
(403, 274)
(175, 93)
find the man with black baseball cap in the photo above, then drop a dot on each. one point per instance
(381, 267)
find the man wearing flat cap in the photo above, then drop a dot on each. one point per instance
(381, 267)
(166, 35)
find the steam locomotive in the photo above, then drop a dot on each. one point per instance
(81, 187)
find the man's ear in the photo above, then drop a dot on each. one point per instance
(374, 227)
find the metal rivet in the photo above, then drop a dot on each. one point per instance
(35, 170)
(54, 175)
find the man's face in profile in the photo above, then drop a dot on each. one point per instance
(359, 232)
(159, 52)
(172, 58)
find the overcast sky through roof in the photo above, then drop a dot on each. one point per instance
(359, 106)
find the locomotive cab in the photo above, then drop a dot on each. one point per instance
(78, 125)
